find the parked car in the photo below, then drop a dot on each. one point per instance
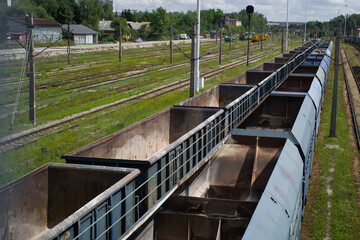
(177, 38)
(184, 36)
(138, 40)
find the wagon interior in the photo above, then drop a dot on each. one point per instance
(222, 198)
(276, 113)
(47, 196)
(296, 84)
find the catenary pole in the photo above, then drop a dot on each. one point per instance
(32, 107)
(335, 86)
(192, 62)
(197, 62)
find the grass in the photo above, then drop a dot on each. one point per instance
(333, 167)
(53, 104)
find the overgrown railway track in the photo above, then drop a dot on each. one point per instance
(104, 74)
(25, 137)
(89, 80)
(353, 90)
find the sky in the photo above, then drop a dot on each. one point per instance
(321, 10)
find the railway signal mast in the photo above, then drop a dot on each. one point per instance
(249, 10)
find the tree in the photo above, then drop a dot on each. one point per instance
(124, 27)
(51, 6)
(128, 15)
(144, 32)
(65, 12)
(3, 22)
(159, 22)
(91, 12)
(24, 7)
(108, 11)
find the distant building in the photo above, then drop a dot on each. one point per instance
(82, 34)
(137, 25)
(8, 2)
(283, 24)
(357, 31)
(105, 27)
(231, 21)
(44, 30)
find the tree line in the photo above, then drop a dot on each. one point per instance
(87, 12)
(181, 22)
(328, 28)
(90, 12)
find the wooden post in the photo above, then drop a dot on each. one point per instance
(120, 41)
(230, 38)
(171, 45)
(282, 41)
(262, 36)
(220, 62)
(68, 35)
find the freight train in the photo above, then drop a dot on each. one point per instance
(258, 36)
(233, 162)
(246, 35)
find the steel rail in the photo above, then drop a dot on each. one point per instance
(350, 97)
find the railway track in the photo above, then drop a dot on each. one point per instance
(25, 137)
(136, 72)
(86, 78)
(83, 67)
(353, 90)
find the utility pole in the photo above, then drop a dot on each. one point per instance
(220, 62)
(282, 41)
(261, 36)
(197, 56)
(287, 25)
(192, 63)
(230, 37)
(32, 113)
(335, 86)
(305, 26)
(68, 36)
(216, 37)
(345, 20)
(120, 40)
(171, 45)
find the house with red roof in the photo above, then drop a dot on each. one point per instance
(44, 30)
